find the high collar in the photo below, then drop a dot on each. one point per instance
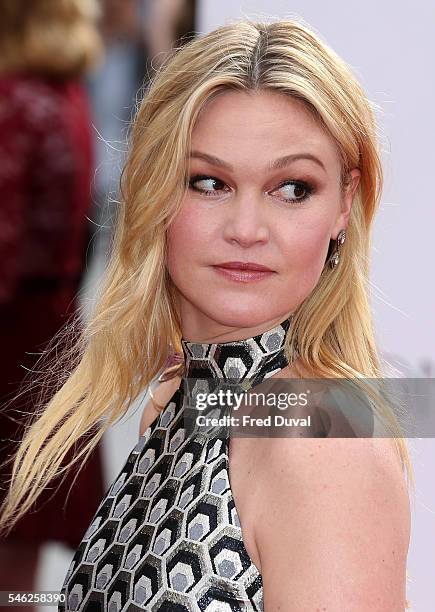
(251, 359)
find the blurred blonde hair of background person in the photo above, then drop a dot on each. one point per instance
(55, 37)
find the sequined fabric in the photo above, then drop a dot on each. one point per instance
(167, 536)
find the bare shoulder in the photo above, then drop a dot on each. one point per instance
(162, 394)
(333, 527)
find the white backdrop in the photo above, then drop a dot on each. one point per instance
(391, 48)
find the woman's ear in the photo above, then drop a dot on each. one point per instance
(351, 185)
(349, 189)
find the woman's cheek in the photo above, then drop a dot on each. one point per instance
(185, 241)
(305, 256)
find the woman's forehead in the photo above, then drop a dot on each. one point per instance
(238, 127)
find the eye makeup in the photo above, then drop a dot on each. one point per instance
(296, 185)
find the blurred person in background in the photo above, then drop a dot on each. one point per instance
(136, 34)
(168, 22)
(46, 168)
(112, 90)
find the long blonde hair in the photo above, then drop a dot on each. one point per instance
(55, 37)
(110, 359)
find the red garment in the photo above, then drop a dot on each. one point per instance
(45, 183)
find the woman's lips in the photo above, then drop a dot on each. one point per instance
(243, 276)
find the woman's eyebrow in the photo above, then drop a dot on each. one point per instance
(281, 162)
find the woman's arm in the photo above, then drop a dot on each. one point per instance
(333, 526)
(162, 394)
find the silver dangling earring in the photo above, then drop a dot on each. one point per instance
(335, 257)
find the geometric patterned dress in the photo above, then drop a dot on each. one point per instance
(167, 536)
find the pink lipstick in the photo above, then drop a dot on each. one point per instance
(244, 272)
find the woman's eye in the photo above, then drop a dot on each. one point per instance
(207, 185)
(296, 191)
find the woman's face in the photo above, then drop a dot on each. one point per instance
(244, 205)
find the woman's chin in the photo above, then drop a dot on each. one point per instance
(238, 316)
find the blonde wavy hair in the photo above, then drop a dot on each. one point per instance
(110, 359)
(56, 37)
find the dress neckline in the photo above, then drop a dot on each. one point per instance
(249, 360)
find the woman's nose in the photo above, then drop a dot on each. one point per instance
(246, 220)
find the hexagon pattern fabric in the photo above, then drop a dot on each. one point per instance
(166, 536)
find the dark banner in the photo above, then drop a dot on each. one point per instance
(283, 407)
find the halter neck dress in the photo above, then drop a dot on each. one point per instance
(167, 536)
